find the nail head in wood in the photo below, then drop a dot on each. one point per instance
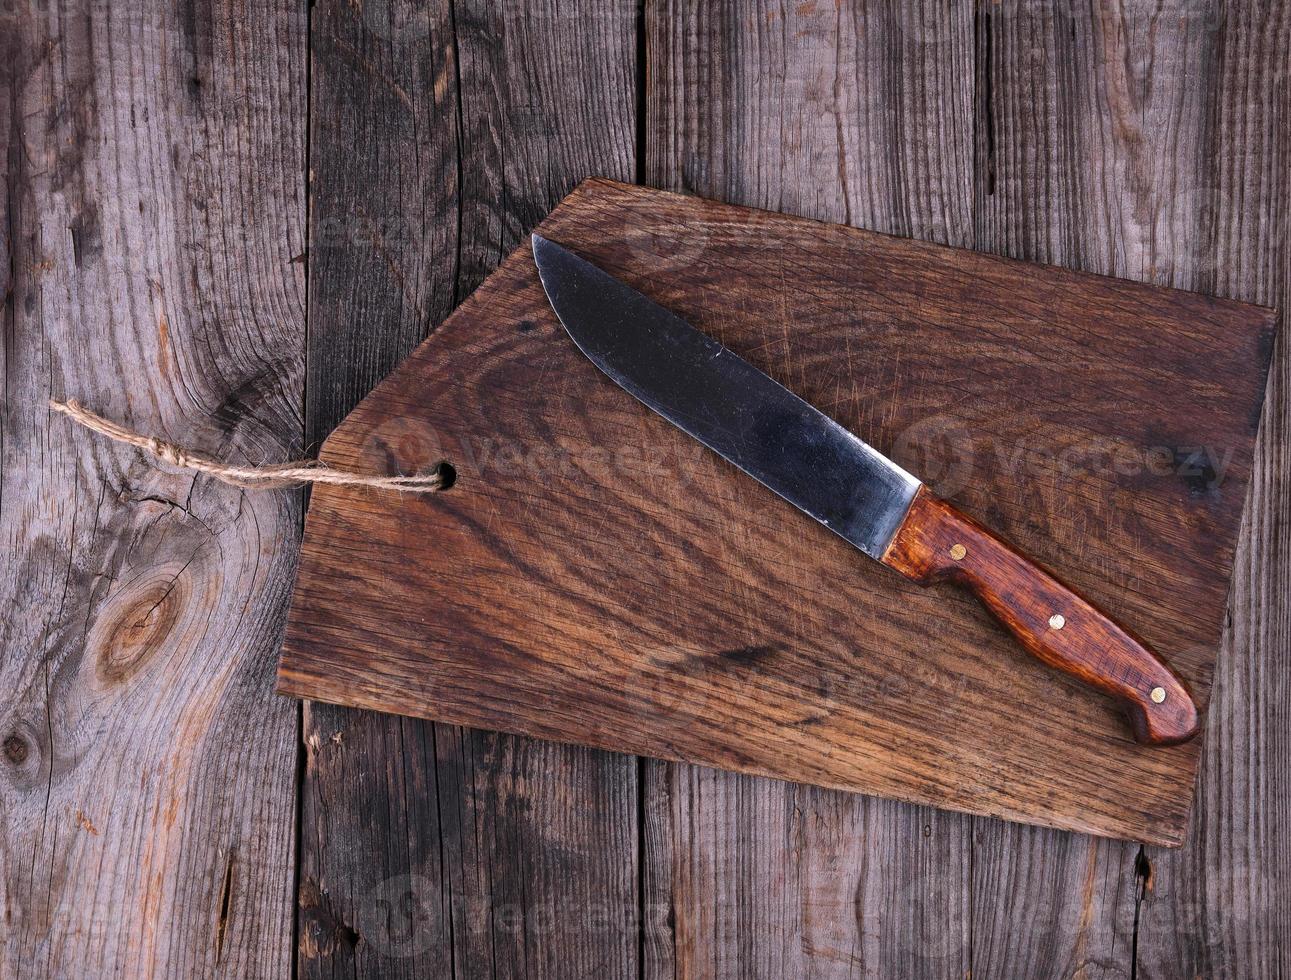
(958, 551)
(1158, 694)
(1057, 621)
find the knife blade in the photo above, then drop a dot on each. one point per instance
(810, 460)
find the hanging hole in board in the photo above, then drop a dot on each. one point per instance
(446, 472)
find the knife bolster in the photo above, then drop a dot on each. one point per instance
(937, 543)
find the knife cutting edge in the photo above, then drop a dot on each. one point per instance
(823, 469)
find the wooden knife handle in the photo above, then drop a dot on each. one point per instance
(937, 543)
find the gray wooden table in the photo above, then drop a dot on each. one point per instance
(223, 223)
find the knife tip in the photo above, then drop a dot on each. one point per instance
(545, 253)
(543, 248)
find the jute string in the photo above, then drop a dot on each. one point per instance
(268, 476)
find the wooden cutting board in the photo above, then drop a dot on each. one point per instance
(595, 576)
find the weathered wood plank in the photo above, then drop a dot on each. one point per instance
(1221, 907)
(441, 133)
(153, 203)
(1119, 139)
(860, 113)
(1071, 167)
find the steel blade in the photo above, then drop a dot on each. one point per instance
(727, 404)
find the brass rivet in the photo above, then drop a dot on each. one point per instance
(958, 551)
(1158, 694)
(1056, 621)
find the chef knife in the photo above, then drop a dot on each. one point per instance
(813, 462)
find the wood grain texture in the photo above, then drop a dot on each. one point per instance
(153, 203)
(442, 132)
(1144, 139)
(740, 882)
(690, 657)
(936, 543)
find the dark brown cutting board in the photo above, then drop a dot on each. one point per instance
(595, 576)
